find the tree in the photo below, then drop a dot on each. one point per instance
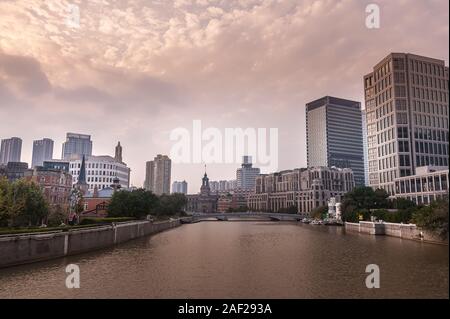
(57, 216)
(4, 213)
(170, 204)
(28, 206)
(319, 212)
(433, 217)
(137, 203)
(360, 201)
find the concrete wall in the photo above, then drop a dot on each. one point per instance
(21, 249)
(406, 231)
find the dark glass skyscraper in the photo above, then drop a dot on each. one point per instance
(76, 145)
(334, 135)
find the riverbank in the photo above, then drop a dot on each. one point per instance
(404, 231)
(28, 248)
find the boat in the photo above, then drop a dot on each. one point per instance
(306, 220)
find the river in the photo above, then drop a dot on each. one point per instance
(242, 259)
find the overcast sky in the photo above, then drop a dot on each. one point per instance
(135, 70)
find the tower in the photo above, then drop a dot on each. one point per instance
(118, 153)
(81, 183)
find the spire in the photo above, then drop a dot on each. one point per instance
(118, 153)
(82, 175)
(81, 183)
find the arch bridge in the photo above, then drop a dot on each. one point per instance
(197, 217)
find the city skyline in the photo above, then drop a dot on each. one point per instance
(67, 83)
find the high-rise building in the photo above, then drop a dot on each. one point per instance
(157, 175)
(334, 135)
(76, 145)
(407, 117)
(179, 187)
(366, 159)
(10, 150)
(246, 175)
(118, 153)
(42, 151)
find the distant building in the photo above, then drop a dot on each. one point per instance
(56, 186)
(334, 135)
(76, 145)
(246, 175)
(407, 105)
(428, 184)
(205, 201)
(180, 187)
(15, 170)
(42, 151)
(158, 175)
(305, 189)
(100, 172)
(10, 150)
(57, 164)
(118, 153)
(223, 187)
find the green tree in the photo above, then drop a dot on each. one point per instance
(360, 201)
(28, 206)
(319, 212)
(169, 205)
(433, 217)
(4, 211)
(56, 216)
(137, 203)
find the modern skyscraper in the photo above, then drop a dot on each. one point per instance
(366, 159)
(246, 175)
(334, 135)
(157, 175)
(10, 150)
(42, 151)
(118, 153)
(179, 187)
(407, 117)
(76, 145)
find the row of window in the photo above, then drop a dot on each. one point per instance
(428, 94)
(94, 165)
(429, 81)
(430, 108)
(434, 183)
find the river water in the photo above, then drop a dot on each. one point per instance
(242, 259)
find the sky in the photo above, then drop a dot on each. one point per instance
(133, 71)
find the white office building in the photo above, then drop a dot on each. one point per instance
(101, 171)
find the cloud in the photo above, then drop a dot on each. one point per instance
(134, 70)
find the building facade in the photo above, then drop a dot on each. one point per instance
(76, 145)
(246, 175)
(158, 175)
(334, 135)
(10, 150)
(365, 149)
(56, 186)
(428, 184)
(42, 151)
(15, 170)
(100, 171)
(304, 189)
(180, 187)
(406, 98)
(203, 202)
